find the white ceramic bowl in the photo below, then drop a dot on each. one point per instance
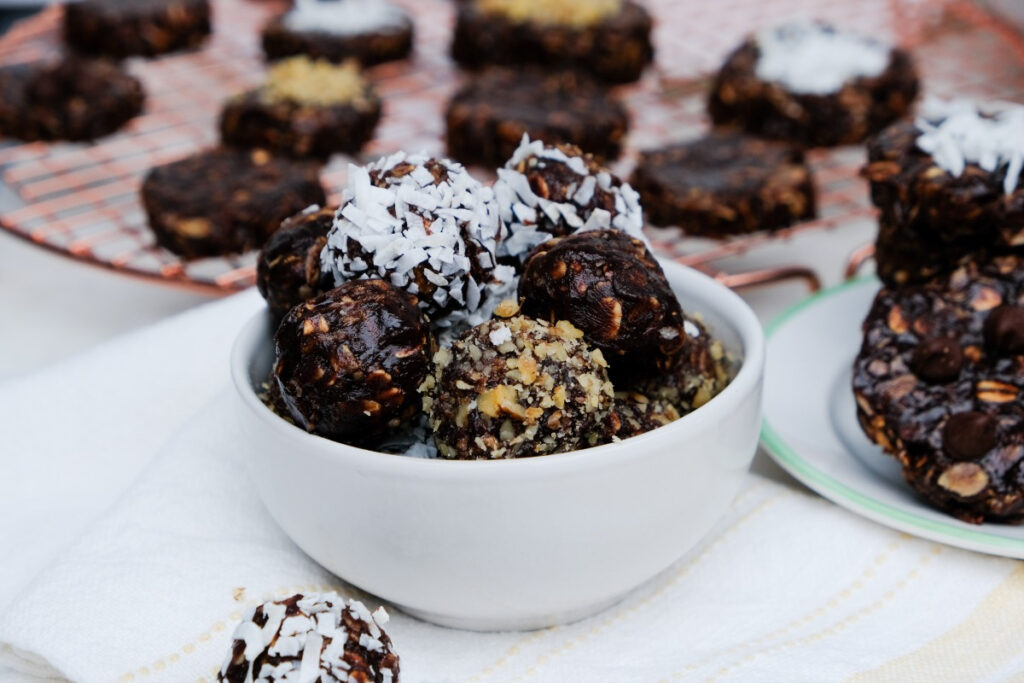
(510, 544)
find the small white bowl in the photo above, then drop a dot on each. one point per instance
(510, 544)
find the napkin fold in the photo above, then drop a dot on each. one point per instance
(786, 587)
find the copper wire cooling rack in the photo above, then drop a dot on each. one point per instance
(81, 200)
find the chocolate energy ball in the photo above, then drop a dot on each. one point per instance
(350, 360)
(611, 39)
(634, 413)
(515, 388)
(369, 31)
(725, 184)
(426, 226)
(225, 201)
(939, 383)
(947, 187)
(813, 84)
(123, 28)
(611, 287)
(487, 118)
(71, 99)
(552, 191)
(311, 637)
(288, 271)
(306, 109)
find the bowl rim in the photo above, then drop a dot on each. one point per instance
(732, 310)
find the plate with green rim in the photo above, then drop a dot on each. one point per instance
(810, 424)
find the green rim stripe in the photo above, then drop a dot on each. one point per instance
(788, 458)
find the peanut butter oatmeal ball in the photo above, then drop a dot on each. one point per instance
(549, 191)
(515, 388)
(311, 637)
(288, 271)
(939, 384)
(350, 360)
(610, 286)
(426, 226)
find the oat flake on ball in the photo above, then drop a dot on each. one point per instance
(516, 387)
(311, 638)
(429, 228)
(544, 192)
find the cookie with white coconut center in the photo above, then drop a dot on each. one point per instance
(813, 84)
(547, 191)
(426, 226)
(368, 31)
(948, 185)
(311, 637)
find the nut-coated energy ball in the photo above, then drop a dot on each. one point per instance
(516, 387)
(350, 360)
(426, 226)
(611, 287)
(288, 271)
(311, 637)
(544, 192)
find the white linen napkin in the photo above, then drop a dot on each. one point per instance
(787, 587)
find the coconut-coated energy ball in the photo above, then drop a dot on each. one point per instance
(426, 226)
(514, 388)
(549, 191)
(350, 360)
(311, 637)
(610, 286)
(288, 271)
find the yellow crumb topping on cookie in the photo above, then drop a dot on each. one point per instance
(576, 13)
(301, 79)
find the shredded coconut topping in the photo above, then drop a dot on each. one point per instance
(959, 132)
(428, 227)
(311, 643)
(524, 215)
(344, 17)
(815, 58)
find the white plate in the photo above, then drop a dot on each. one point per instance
(810, 426)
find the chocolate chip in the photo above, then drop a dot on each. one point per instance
(938, 359)
(968, 436)
(1004, 329)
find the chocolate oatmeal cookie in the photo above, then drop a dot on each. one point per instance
(725, 184)
(813, 84)
(72, 99)
(487, 118)
(609, 38)
(123, 28)
(226, 201)
(939, 383)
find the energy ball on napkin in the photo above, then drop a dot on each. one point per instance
(487, 118)
(544, 192)
(71, 99)
(609, 38)
(119, 29)
(369, 31)
(288, 271)
(610, 286)
(939, 383)
(948, 186)
(428, 227)
(306, 108)
(725, 183)
(813, 84)
(350, 360)
(514, 388)
(311, 637)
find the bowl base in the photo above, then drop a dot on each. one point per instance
(525, 623)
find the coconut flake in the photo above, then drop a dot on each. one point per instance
(960, 132)
(814, 58)
(344, 17)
